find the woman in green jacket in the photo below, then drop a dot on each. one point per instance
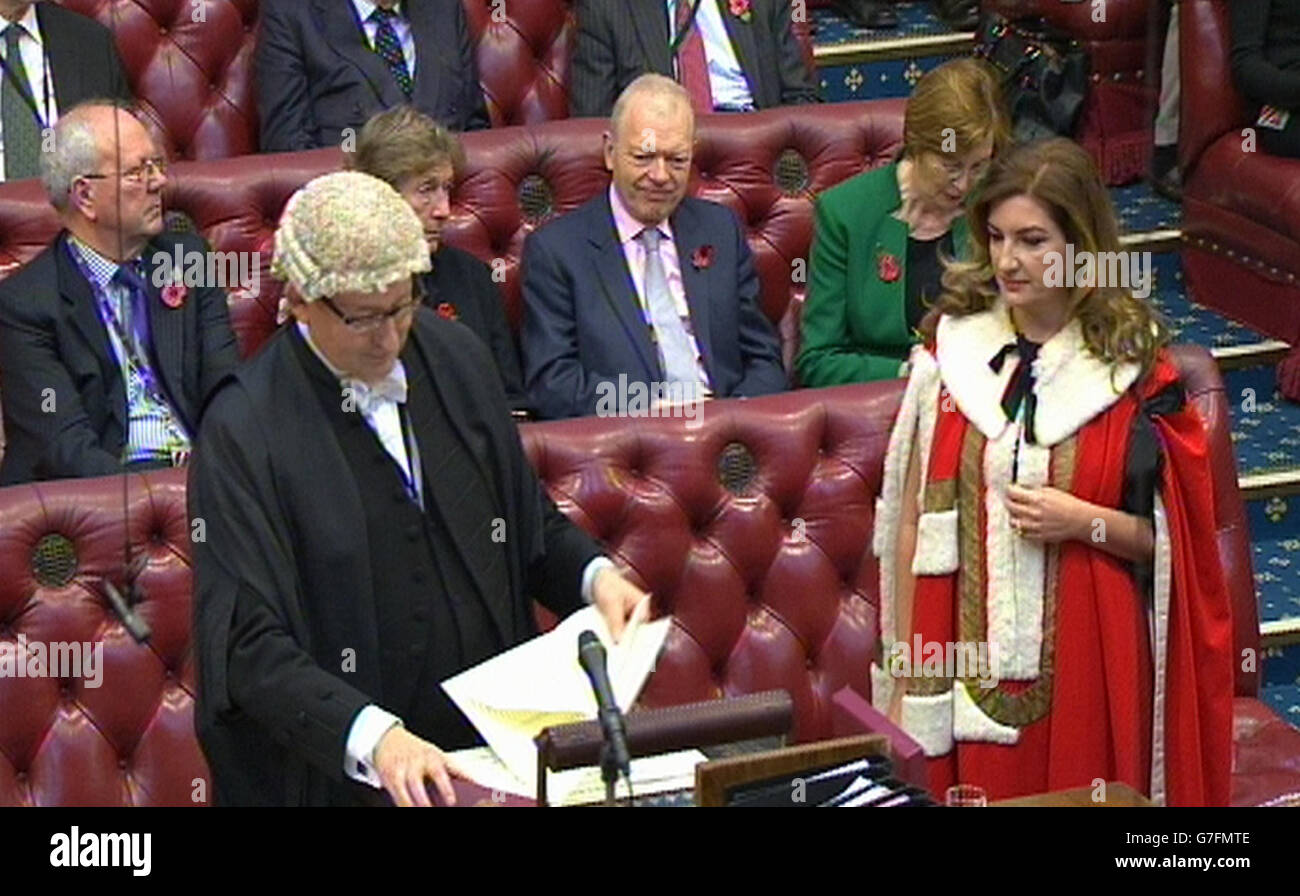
(880, 236)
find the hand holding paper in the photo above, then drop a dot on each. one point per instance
(513, 696)
(617, 599)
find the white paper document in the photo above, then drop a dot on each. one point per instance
(513, 696)
(650, 774)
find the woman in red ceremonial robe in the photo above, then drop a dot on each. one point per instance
(1053, 608)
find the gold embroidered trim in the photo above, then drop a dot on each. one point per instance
(971, 620)
(940, 496)
(1035, 701)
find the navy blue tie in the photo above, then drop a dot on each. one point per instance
(138, 296)
(389, 48)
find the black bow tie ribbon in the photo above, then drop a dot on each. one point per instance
(1020, 388)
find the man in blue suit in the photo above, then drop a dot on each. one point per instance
(326, 65)
(642, 288)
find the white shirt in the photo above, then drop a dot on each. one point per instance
(401, 26)
(372, 722)
(727, 80)
(31, 46)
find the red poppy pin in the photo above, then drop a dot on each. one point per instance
(887, 267)
(173, 296)
(740, 9)
(447, 311)
(702, 257)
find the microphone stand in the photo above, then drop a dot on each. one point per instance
(609, 773)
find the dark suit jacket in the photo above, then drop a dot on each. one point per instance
(621, 39)
(283, 583)
(316, 75)
(84, 63)
(583, 323)
(462, 281)
(52, 338)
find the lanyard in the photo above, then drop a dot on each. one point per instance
(130, 350)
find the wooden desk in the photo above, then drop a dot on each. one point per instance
(1117, 794)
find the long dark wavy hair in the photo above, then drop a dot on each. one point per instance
(1117, 326)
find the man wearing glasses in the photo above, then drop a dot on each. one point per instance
(102, 366)
(373, 526)
(644, 290)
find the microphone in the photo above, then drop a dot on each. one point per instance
(591, 654)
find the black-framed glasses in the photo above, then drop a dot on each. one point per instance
(369, 323)
(137, 174)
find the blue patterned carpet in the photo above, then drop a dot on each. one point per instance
(1275, 536)
(891, 79)
(1190, 322)
(914, 19)
(1265, 426)
(1281, 682)
(1141, 209)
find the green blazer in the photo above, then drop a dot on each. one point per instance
(854, 323)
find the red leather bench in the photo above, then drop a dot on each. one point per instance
(754, 533)
(195, 78)
(1241, 210)
(765, 165)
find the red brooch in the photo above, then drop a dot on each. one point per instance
(740, 9)
(888, 268)
(702, 257)
(447, 311)
(173, 296)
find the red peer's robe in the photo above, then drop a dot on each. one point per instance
(1090, 670)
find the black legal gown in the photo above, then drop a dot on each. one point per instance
(286, 544)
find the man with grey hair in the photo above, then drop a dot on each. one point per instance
(106, 355)
(673, 308)
(372, 524)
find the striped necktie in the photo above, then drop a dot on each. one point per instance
(692, 66)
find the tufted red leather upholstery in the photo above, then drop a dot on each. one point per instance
(129, 741)
(194, 79)
(522, 51)
(1116, 123)
(1241, 210)
(764, 165)
(774, 587)
(760, 599)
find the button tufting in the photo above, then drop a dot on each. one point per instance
(121, 763)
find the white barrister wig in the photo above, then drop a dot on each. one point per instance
(347, 232)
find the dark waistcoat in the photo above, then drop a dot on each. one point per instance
(429, 567)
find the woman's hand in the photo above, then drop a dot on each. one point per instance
(1048, 514)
